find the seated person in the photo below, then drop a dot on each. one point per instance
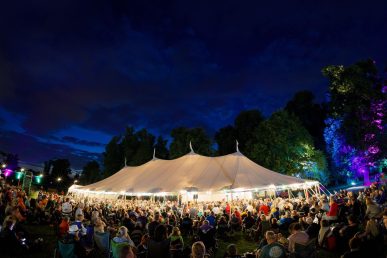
(349, 231)
(355, 251)
(198, 250)
(64, 227)
(297, 236)
(312, 228)
(274, 225)
(333, 210)
(248, 221)
(186, 225)
(99, 226)
(137, 233)
(285, 221)
(206, 227)
(142, 248)
(231, 252)
(127, 252)
(272, 249)
(235, 223)
(176, 239)
(79, 223)
(9, 239)
(322, 234)
(123, 237)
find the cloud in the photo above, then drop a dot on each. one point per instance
(30, 149)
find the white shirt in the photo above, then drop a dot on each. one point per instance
(67, 208)
(78, 211)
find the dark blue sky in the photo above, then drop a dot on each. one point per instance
(75, 73)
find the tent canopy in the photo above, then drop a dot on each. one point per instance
(194, 173)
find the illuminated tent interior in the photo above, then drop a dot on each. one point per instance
(195, 176)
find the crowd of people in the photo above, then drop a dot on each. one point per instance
(346, 223)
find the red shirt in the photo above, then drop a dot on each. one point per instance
(265, 209)
(333, 210)
(237, 214)
(228, 208)
(63, 228)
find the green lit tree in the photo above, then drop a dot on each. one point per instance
(311, 115)
(282, 144)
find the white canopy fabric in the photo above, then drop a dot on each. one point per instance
(194, 173)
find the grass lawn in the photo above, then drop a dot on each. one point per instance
(47, 233)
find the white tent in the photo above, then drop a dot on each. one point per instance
(195, 174)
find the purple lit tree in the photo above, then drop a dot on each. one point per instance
(355, 129)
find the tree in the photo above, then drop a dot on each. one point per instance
(11, 160)
(113, 156)
(282, 144)
(60, 168)
(161, 148)
(311, 115)
(47, 167)
(144, 148)
(182, 137)
(226, 139)
(245, 125)
(91, 173)
(60, 173)
(134, 148)
(357, 105)
(129, 146)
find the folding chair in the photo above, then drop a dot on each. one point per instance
(116, 248)
(65, 250)
(102, 242)
(308, 250)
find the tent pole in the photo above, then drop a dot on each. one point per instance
(313, 192)
(306, 194)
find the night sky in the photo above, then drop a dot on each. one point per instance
(75, 73)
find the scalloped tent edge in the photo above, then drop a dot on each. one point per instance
(194, 174)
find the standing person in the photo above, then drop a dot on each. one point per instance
(67, 208)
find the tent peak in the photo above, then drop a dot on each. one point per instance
(154, 154)
(190, 146)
